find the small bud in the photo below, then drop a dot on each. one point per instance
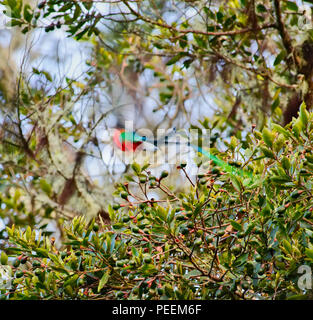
(152, 184)
(219, 199)
(143, 179)
(215, 171)
(116, 206)
(164, 174)
(124, 195)
(16, 263)
(41, 4)
(95, 227)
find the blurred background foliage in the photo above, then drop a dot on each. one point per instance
(72, 70)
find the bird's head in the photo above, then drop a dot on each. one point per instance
(126, 141)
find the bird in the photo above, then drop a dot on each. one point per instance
(131, 141)
(131, 146)
(126, 141)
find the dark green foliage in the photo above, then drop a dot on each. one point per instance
(239, 234)
(247, 245)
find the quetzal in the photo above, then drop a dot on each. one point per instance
(131, 141)
(134, 147)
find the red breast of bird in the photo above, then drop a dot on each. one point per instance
(124, 145)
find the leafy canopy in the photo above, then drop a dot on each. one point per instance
(226, 237)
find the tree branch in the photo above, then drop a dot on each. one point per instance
(284, 35)
(206, 33)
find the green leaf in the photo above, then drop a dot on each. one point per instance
(27, 14)
(233, 143)
(81, 34)
(47, 75)
(11, 3)
(201, 42)
(129, 178)
(236, 182)
(266, 210)
(148, 269)
(54, 258)
(219, 16)
(256, 183)
(87, 5)
(14, 22)
(71, 280)
(287, 246)
(145, 166)
(192, 273)
(187, 63)
(162, 214)
(280, 129)
(183, 41)
(77, 11)
(298, 297)
(136, 168)
(241, 260)
(279, 142)
(261, 8)
(309, 253)
(285, 163)
(28, 233)
(292, 6)
(267, 152)
(297, 127)
(111, 213)
(3, 258)
(279, 179)
(25, 30)
(104, 280)
(275, 104)
(45, 187)
(236, 225)
(42, 252)
(118, 226)
(59, 269)
(268, 137)
(282, 174)
(135, 252)
(67, 6)
(304, 115)
(175, 59)
(279, 58)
